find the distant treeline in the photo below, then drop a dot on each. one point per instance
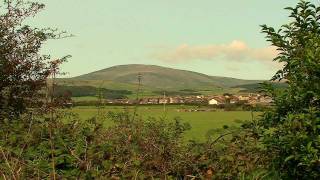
(81, 91)
(183, 92)
(253, 88)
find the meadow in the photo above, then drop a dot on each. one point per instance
(201, 122)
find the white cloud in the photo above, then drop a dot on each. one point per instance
(235, 51)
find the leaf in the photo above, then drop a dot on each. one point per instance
(289, 158)
(289, 8)
(309, 146)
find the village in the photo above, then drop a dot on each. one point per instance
(215, 100)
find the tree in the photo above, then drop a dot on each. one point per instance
(292, 128)
(23, 70)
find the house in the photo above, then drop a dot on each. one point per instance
(244, 98)
(265, 100)
(119, 101)
(252, 102)
(216, 101)
(131, 101)
(213, 102)
(144, 101)
(176, 100)
(194, 100)
(234, 100)
(153, 101)
(200, 97)
(164, 100)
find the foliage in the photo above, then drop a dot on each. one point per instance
(37, 147)
(292, 127)
(146, 148)
(41, 140)
(23, 71)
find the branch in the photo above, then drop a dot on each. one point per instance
(7, 162)
(221, 136)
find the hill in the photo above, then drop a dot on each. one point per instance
(253, 88)
(157, 77)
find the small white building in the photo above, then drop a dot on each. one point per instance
(215, 101)
(200, 97)
(164, 101)
(244, 98)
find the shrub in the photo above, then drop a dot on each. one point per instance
(292, 127)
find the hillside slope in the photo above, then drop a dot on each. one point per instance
(161, 77)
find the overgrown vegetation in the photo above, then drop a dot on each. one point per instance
(292, 127)
(41, 140)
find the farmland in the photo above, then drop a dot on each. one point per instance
(201, 122)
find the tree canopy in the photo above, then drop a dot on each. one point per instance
(23, 70)
(292, 128)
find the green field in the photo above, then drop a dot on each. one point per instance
(201, 122)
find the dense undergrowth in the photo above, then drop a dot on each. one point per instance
(36, 141)
(39, 147)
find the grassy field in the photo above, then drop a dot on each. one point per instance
(201, 122)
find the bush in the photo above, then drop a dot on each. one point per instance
(292, 127)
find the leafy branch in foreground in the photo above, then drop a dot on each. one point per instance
(292, 127)
(40, 140)
(23, 71)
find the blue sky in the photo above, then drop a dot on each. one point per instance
(215, 37)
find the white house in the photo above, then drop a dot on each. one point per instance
(244, 98)
(164, 101)
(200, 97)
(215, 101)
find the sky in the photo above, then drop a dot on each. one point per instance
(215, 37)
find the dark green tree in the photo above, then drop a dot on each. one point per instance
(23, 70)
(291, 130)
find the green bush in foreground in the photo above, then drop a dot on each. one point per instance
(43, 141)
(39, 147)
(292, 127)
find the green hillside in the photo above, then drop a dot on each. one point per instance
(155, 77)
(252, 88)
